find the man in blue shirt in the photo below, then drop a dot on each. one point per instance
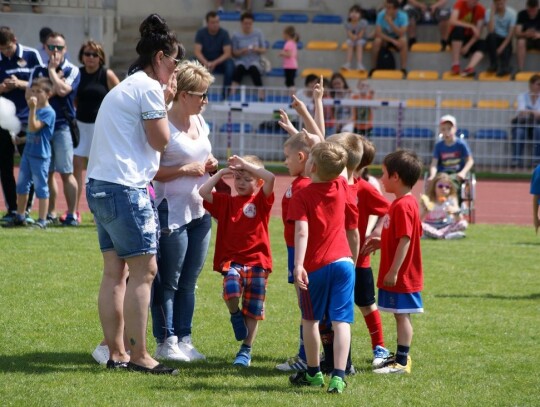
(16, 63)
(390, 32)
(213, 50)
(65, 78)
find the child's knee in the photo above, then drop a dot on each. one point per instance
(232, 288)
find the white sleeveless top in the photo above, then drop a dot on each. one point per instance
(182, 193)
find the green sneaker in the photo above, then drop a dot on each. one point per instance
(337, 385)
(303, 379)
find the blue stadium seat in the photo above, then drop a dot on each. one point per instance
(214, 96)
(235, 127)
(293, 18)
(327, 19)
(383, 132)
(285, 99)
(463, 132)
(418, 132)
(276, 73)
(264, 17)
(491, 134)
(280, 43)
(229, 16)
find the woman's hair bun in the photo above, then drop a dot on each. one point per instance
(153, 24)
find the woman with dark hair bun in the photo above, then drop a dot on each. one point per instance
(130, 134)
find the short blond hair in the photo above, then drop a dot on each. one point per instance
(192, 76)
(299, 142)
(330, 159)
(353, 146)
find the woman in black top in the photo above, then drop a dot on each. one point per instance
(96, 81)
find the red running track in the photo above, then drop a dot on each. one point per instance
(498, 202)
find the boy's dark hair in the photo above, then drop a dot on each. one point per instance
(299, 142)
(534, 78)
(310, 78)
(369, 152)
(355, 7)
(404, 163)
(532, 3)
(210, 14)
(352, 144)
(55, 34)
(43, 83)
(394, 3)
(6, 35)
(330, 159)
(245, 15)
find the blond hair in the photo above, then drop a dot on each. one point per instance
(330, 159)
(192, 77)
(353, 146)
(299, 142)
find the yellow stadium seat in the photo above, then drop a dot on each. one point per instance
(387, 74)
(426, 103)
(423, 75)
(457, 104)
(449, 76)
(354, 74)
(327, 73)
(367, 47)
(491, 76)
(322, 45)
(426, 47)
(524, 76)
(493, 104)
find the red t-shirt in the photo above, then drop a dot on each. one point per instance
(351, 209)
(469, 15)
(298, 183)
(403, 219)
(242, 229)
(322, 205)
(370, 202)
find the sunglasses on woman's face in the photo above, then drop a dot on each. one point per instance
(202, 95)
(443, 186)
(90, 54)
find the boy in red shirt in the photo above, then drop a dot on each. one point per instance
(242, 252)
(372, 206)
(400, 273)
(323, 268)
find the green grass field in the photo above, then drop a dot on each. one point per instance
(476, 344)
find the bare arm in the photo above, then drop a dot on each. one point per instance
(303, 112)
(466, 168)
(205, 191)
(34, 124)
(238, 163)
(353, 237)
(536, 218)
(390, 278)
(301, 233)
(433, 168)
(199, 55)
(112, 79)
(168, 173)
(318, 93)
(157, 133)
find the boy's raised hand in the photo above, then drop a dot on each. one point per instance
(299, 106)
(285, 123)
(318, 90)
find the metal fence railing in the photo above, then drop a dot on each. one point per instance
(246, 124)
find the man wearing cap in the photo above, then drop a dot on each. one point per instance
(16, 64)
(65, 78)
(452, 154)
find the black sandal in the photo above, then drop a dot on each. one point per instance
(117, 364)
(159, 369)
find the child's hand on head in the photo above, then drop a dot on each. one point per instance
(236, 163)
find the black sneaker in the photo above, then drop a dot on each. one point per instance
(117, 364)
(303, 379)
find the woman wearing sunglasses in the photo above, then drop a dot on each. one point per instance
(185, 225)
(439, 210)
(96, 81)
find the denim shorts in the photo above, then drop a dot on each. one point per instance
(62, 150)
(124, 218)
(33, 169)
(86, 135)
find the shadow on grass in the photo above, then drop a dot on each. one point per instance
(46, 362)
(533, 296)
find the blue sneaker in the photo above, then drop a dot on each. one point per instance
(380, 356)
(70, 221)
(243, 358)
(239, 326)
(41, 223)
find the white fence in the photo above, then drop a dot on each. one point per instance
(246, 125)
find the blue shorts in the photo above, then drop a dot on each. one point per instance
(248, 282)
(62, 150)
(33, 169)
(124, 218)
(364, 287)
(400, 303)
(290, 264)
(330, 293)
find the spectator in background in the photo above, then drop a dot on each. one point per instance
(390, 32)
(43, 34)
(500, 20)
(425, 11)
(363, 123)
(247, 48)
(96, 81)
(65, 78)
(526, 124)
(290, 57)
(342, 115)
(356, 28)
(527, 31)
(16, 63)
(213, 49)
(466, 23)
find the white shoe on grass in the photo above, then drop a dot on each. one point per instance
(169, 350)
(186, 346)
(101, 354)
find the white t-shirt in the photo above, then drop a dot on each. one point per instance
(182, 193)
(120, 152)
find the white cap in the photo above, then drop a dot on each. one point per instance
(448, 118)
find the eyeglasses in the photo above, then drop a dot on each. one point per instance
(203, 96)
(55, 47)
(90, 54)
(176, 61)
(441, 186)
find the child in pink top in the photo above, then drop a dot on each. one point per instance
(289, 55)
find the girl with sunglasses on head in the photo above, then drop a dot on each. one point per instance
(439, 210)
(96, 81)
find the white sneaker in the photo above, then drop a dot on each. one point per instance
(169, 350)
(294, 364)
(187, 348)
(361, 67)
(380, 356)
(346, 66)
(101, 354)
(455, 235)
